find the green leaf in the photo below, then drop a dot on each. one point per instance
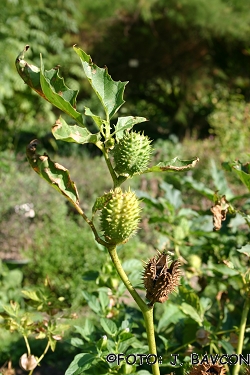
(174, 165)
(31, 294)
(126, 123)
(55, 174)
(52, 342)
(29, 73)
(101, 202)
(109, 326)
(104, 300)
(49, 85)
(125, 344)
(87, 330)
(200, 187)
(73, 133)
(77, 342)
(190, 297)
(220, 181)
(109, 92)
(12, 309)
(97, 119)
(190, 311)
(172, 314)
(57, 93)
(81, 363)
(226, 346)
(93, 302)
(242, 171)
(245, 250)
(223, 269)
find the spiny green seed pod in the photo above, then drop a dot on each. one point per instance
(120, 216)
(132, 154)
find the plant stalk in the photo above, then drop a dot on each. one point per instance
(27, 345)
(242, 332)
(149, 323)
(111, 169)
(41, 357)
(113, 254)
(147, 311)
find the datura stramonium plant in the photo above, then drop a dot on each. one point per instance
(132, 154)
(120, 216)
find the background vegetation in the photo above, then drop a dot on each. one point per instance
(188, 66)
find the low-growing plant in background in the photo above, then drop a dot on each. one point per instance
(205, 316)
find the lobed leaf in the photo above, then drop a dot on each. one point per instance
(126, 123)
(57, 93)
(109, 92)
(73, 133)
(97, 119)
(174, 165)
(55, 174)
(49, 85)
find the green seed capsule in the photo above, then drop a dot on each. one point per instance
(120, 216)
(132, 154)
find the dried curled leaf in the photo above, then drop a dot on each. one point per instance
(161, 277)
(54, 173)
(174, 165)
(205, 368)
(219, 211)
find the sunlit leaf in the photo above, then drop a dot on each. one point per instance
(97, 119)
(31, 294)
(49, 85)
(81, 363)
(101, 202)
(55, 174)
(174, 165)
(109, 326)
(126, 123)
(73, 133)
(109, 92)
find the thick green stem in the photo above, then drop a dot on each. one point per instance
(111, 169)
(143, 306)
(242, 332)
(147, 311)
(149, 323)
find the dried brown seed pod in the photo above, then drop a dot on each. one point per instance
(202, 337)
(28, 362)
(161, 277)
(203, 369)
